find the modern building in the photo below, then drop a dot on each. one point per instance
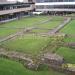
(54, 6)
(14, 9)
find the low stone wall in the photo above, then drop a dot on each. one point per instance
(29, 63)
(17, 56)
(70, 44)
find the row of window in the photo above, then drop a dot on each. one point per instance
(55, 6)
(13, 7)
(59, 0)
(55, 1)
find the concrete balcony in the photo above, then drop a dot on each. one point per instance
(3, 12)
(57, 9)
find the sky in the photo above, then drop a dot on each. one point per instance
(16, 0)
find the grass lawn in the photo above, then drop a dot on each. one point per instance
(67, 53)
(46, 27)
(5, 32)
(25, 22)
(29, 22)
(50, 25)
(58, 18)
(69, 39)
(41, 30)
(29, 43)
(8, 67)
(69, 28)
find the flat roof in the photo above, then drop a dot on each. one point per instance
(6, 4)
(56, 3)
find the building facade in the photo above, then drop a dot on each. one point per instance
(3, 1)
(38, 1)
(9, 10)
(55, 5)
(6, 1)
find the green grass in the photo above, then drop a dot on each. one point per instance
(40, 30)
(28, 22)
(5, 32)
(24, 22)
(69, 28)
(50, 25)
(8, 67)
(69, 39)
(46, 27)
(29, 43)
(11, 68)
(67, 53)
(58, 18)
